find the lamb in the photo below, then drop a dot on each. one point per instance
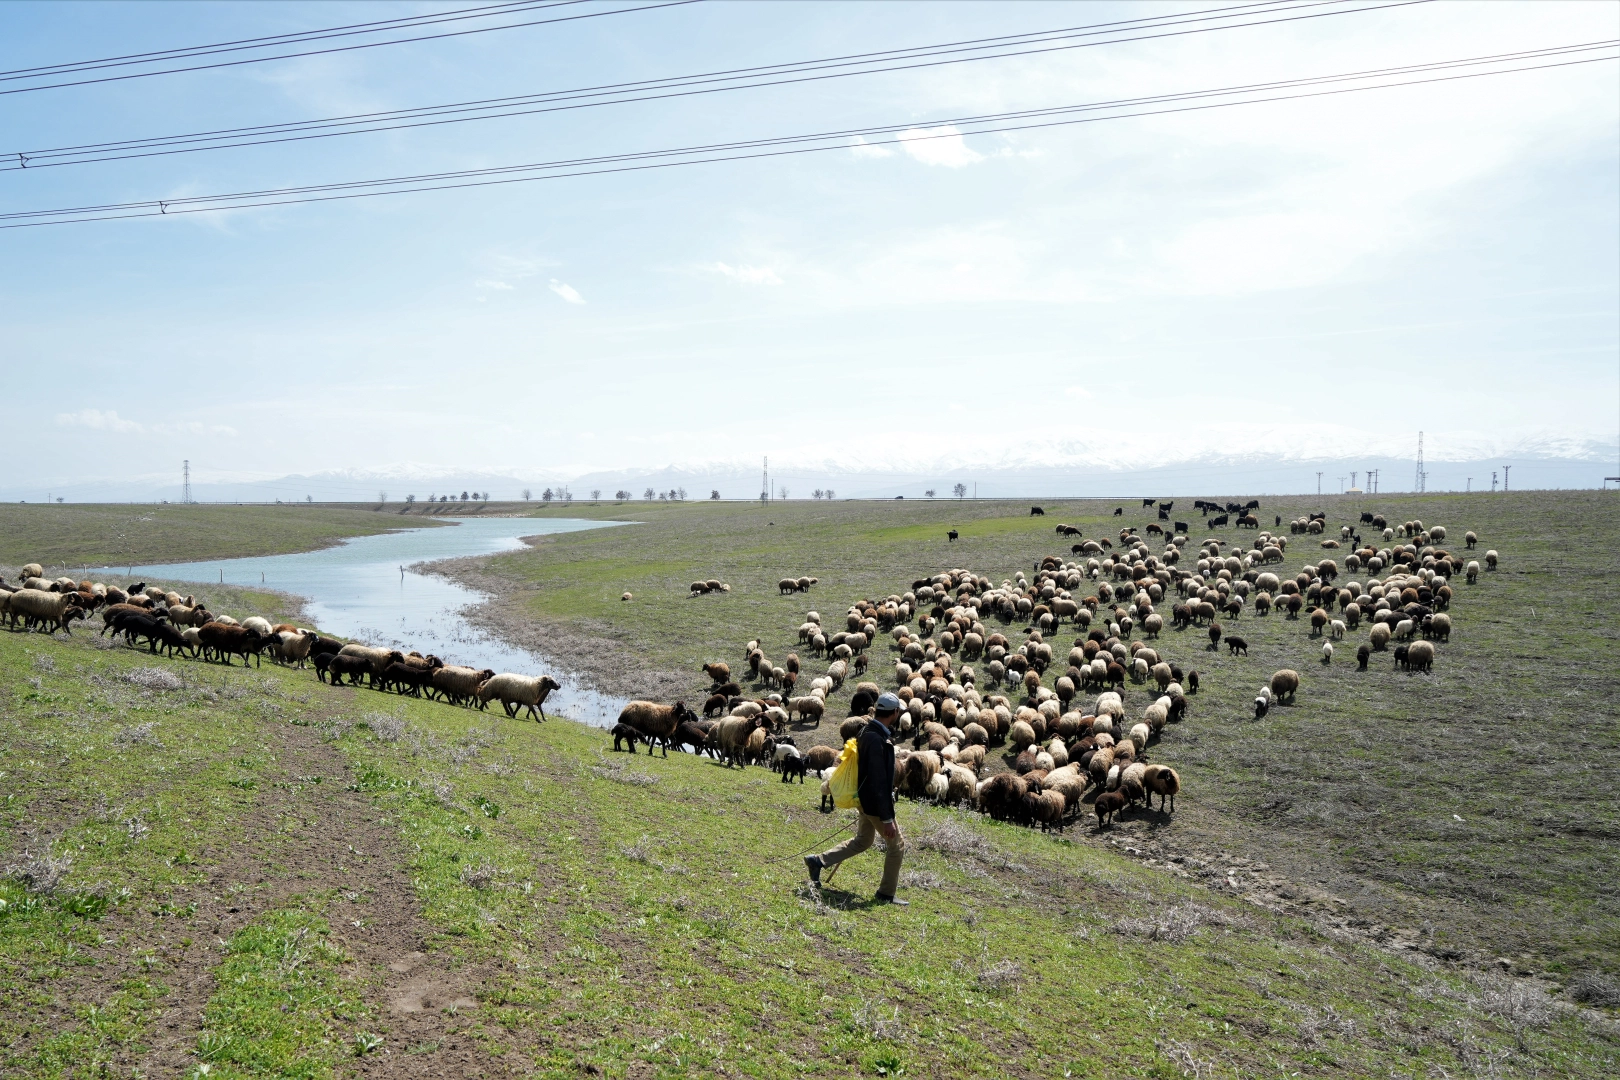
(516, 692)
(1338, 629)
(56, 610)
(1236, 645)
(718, 672)
(1109, 804)
(1327, 652)
(1362, 655)
(1284, 684)
(624, 734)
(650, 718)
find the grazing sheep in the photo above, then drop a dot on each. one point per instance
(1420, 656)
(1284, 684)
(1327, 652)
(1337, 628)
(1262, 705)
(516, 692)
(821, 757)
(1378, 637)
(719, 673)
(1236, 645)
(626, 596)
(1490, 559)
(1437, 627)
(1362, 655)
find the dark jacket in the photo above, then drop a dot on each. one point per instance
(875, 771)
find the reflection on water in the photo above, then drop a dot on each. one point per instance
(363, 589)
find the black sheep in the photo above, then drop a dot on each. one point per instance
(1361, 657)
(1235, 645)
(623, 734)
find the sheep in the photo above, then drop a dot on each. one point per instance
(333, 665)
(33, 570)
(1420, 656)
(1327, 652)
(376, 659)
(458, 685)
(1363, 653)
(226, 640)
(821, 757)
(1337, 629)
(1285, 683)
(516, 692)
(626, 596)
(1108, 804)
(1236, 645)
(1490, 559)
(55, 610)
(1002, 795)
(648, 717)
(259, 624)
(717, 672)
(1437, 627)
(293, 647)
(1378, 637)
(625, 736)
(1163, 781)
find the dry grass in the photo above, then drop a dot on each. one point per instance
(42, 873)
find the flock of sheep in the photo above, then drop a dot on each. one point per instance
(168, 622)
(1063, 742)
(1061, 749)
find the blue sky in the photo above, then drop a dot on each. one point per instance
(1306, 279)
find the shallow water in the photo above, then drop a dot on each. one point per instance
(364, 589)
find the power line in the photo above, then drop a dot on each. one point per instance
(1025, 44)
(782, 146)
(198, 51)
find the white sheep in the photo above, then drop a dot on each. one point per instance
(1327, 652)
(1338, 629)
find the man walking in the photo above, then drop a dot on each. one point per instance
(874, 750)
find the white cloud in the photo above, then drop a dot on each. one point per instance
(748, 275)
(490, 284)
(566, 291)
(97, 420)
(109, 420)
(863, 149)
(939, 146)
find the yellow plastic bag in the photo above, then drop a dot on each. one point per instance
(845, 780)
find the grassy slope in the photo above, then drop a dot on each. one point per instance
(97, 534)
(1356, 790)
(637, 916)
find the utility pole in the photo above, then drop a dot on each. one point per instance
(1319, 483)
(1341, 485)
(185, 485)
(1493, 480)
(1352, 478)
(765, 480)
(1418, 484)
(1505, 469)
(1470, 486)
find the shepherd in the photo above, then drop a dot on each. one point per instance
(875, 792)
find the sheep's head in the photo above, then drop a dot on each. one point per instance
(548, 684)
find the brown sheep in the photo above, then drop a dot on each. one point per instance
(654, 720)
(719, 673)
(1284, 684)
(1108, 804)
(1163, 781)
(821, 757)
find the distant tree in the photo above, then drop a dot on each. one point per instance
(409, 499)
(959, 490)
(681, 492)
(525, 494)
(444, 498)
(547, 495)
(309, 498)
(596, 494)
(622, 495)
(567, 496)
(648, 494)
(463, 496)
(663, 496)
(783, 492)
(818, 493)
(382, 497)
(929, 493)
(486, 496)
(715, 495)
(829, 493)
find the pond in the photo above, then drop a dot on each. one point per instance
(364, 589)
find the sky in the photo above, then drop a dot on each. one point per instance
(1303, 279)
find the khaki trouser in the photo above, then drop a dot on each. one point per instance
(864, 833)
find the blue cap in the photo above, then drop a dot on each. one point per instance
(888, 703)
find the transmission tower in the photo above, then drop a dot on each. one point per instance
(765, 480)
(185, 485)
(1418, 484)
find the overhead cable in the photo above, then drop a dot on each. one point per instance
(66, 71)
(865, 137)
(957, 52)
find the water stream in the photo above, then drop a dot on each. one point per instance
(364, 589)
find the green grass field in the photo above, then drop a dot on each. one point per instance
(279, 878)
(243, 873)
(1354, 794)
(70, 537)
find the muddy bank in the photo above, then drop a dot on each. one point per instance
(602, 656)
